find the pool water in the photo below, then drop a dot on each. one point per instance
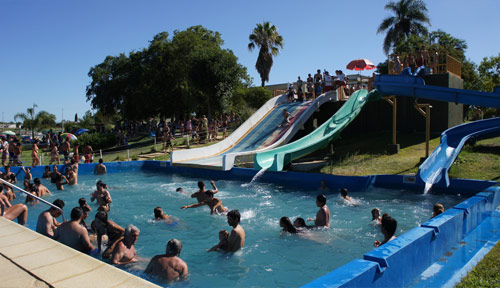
(268, 259)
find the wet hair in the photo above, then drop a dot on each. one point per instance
(438, 209)
(344, 192)
(82, 202)
(102, 215)
(76, 213)
(130, 228)
(37, 181)
(157, 212)
(373, 212)
(209, 194)
(59, 203)
(201, 184)
(287, 225)
(180, 190)
(321, 199)
(100, 161)
(300, 222)
(389, 224)
(234, 214)
(173, 248)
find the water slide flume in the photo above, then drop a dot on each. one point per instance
(276, 159)
(435, 168)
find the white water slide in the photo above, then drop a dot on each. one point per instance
(258, 133)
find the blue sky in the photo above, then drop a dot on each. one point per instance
(48, 47)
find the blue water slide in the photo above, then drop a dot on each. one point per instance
(435, 168)
(410, 86)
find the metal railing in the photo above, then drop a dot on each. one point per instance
(446, 64)
(34, 196)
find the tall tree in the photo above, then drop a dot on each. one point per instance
(489, 71)
(266, 37)
(36, 121)
(410, 17)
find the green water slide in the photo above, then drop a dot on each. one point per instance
(276, 159)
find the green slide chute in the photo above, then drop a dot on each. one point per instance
(276, 159)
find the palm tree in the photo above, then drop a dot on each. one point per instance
(34, 121)
(266, 37)
(411, 15)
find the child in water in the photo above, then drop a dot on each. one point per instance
(223, 236)
(376, 216)
(343, 194)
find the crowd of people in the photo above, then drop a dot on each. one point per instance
(416, 63)
(106, 238)
(321, 83)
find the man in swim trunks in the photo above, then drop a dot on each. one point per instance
(73, 234)
(65, 148)
(214, 204)
(323, 216)
(124, 252)
(100, 169)
(5, 151)
(47, 221)
(200, 195)
(169, 266)
(237, 238)
(87, 153)
(72, 176)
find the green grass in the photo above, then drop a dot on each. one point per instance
(486, 273)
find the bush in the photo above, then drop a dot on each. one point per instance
(97, 140)
(257, 96)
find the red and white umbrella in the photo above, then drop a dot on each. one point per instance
(360, 64)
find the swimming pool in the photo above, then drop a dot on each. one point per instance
(268, 259)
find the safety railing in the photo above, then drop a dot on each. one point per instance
(32, 195)
(446, 64)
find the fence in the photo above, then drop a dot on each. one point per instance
(446, 64)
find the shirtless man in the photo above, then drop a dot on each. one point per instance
(103, 197)
(100, 169)
(72, 177)
(125, 251)
(7, 176)
(54, 174)
(42, 190)
(5, 151)
(19, 211)
(214, 204)
(169, 266)
(200, 195)
(61, 180)
(348, 199)
(47, 172)
(47, 221)
(87, 153)
(237, 238)
(73, 234)
(323, 216)
(65, 148)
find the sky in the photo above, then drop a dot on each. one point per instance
(48, 46)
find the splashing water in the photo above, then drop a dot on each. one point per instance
(255, 177)
(428, 187)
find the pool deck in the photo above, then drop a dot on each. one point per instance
(29, 259)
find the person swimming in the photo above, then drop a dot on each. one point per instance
(301, 223)
(287, 225)
(376, 216)
(388, 228)
(343, 194)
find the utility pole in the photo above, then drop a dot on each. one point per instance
(62, 121)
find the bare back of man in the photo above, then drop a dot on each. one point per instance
(74, 235)
(323, 217)
(168, 268)
(46, 224)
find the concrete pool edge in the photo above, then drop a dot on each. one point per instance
(48, 263)
(354, 273)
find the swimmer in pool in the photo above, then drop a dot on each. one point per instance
(287, 225)
(236, 239)
(437, 209)
(343, 194)
(214, 204)
(73, 234)
(11, 212)
(160, 216)
(200, 194)
(301, 224)
(47, 220)
(388, 228)
(376, 216)
(223, 236)
(323, 216)
(169, 266)
(100, 169)
(124, 251)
